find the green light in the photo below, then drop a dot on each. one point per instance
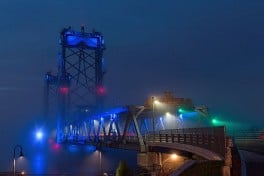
(214, 121)
(180, 110)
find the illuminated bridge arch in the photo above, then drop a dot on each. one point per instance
(205, 153)
(209, 142)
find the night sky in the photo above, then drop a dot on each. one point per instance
(209, 51)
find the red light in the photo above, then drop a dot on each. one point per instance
(101, 90)
(64, 90)
(56, 146)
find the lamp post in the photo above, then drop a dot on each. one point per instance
(14, 156)
(154, 101)
(153, 114)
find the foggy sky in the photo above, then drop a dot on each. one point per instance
(209, 51)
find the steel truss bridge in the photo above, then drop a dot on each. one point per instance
(128, 127)
(77, 92)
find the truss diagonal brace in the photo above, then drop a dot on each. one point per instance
(136, 111)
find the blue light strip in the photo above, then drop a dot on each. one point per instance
(91, 40)
(110, 112)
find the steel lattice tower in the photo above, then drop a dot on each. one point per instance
(79, 81)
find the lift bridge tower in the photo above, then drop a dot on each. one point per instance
(78, 84)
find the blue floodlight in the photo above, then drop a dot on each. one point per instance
(75, 40)
(162, 123)
(90, 40)
(39, 135)
(112, 112)
(181, 116)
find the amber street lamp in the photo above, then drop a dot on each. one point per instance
(172, 157)
(154, 101)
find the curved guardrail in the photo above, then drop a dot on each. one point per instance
(210, 138)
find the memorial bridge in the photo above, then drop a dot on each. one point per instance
(163, 123)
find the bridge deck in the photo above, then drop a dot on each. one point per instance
(208, 142)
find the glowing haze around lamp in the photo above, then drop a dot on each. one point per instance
(39, 135)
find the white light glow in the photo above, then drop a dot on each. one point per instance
(39, 135)
(168, 114)
(174, 156)
(156, 102)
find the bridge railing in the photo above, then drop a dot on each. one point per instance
(249, 135)
(251, 140)
(211, 138)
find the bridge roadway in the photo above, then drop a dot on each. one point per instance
(130, 125)
(252, 163)
(250, 145)
(209, 142)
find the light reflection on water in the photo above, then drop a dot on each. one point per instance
(39, 163)
(51, 158)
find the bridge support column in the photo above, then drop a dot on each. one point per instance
(158, 163)
(160, 158)
(149, 161)
(226, 169)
